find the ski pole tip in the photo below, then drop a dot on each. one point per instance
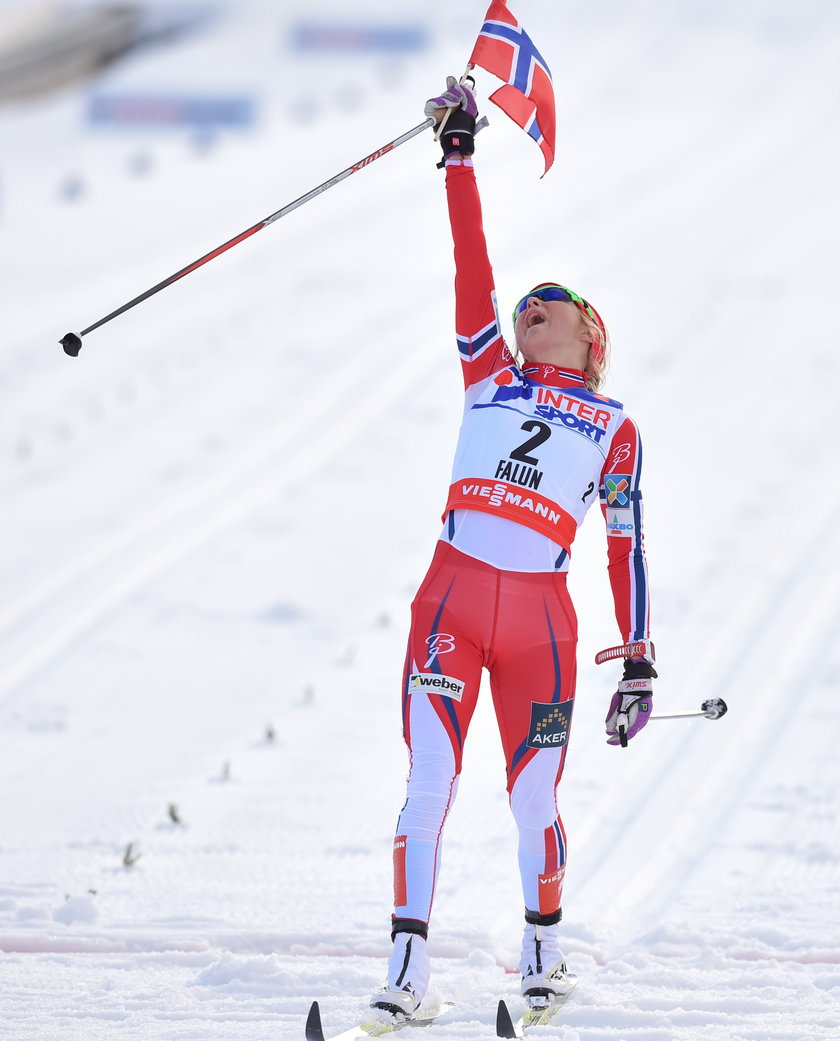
(314, 1030)
(72, 344)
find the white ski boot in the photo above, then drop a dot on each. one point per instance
(545, 978)
(408, 977)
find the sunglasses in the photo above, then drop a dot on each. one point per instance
(553, 292)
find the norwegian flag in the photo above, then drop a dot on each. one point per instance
(507, 51)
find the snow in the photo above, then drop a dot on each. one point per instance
(215, 518)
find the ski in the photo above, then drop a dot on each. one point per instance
(532, 1016)
(376, 1023)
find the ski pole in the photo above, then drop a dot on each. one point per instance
(72, 342)
(714, 708)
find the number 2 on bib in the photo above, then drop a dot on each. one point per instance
(543, 433)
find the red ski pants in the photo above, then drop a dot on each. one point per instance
(521, 627)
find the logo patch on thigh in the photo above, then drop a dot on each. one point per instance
(434, 683)
(550, 724)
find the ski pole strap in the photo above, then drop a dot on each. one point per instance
(643, 649)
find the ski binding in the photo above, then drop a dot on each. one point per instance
(538, 1012)
(375, 1023)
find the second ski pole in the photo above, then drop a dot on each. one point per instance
(714, 708)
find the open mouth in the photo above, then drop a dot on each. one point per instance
(533, 318)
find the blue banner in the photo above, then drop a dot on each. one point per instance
(169, 110)
(313, 37)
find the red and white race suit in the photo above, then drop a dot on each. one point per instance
(536, 450)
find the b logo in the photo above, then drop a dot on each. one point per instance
(621, 453)
(439, 643)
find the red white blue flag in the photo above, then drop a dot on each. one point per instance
(507, 51)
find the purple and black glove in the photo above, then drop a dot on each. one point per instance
(632, 703)
(458, 134)
(456, 95)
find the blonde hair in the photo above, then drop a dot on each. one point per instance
(595, 372)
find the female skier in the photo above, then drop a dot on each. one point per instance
(537, 447)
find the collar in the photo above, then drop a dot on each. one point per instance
(553, 376)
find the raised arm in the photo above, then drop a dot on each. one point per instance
(480, 345)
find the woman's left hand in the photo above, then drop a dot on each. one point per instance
(632, 703)
(456, 95)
